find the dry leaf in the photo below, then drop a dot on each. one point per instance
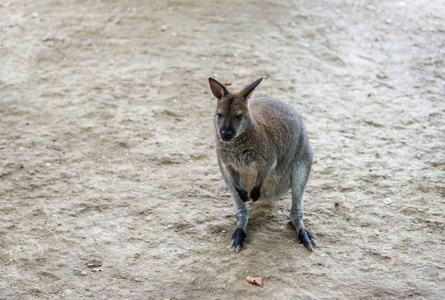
(227, 83)
(255, 280)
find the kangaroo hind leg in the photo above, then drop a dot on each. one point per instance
(300, 175)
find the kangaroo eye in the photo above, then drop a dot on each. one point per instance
(218, 115)
(239, 117)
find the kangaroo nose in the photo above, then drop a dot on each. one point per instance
(226, 135)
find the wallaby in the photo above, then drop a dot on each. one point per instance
(262, 147)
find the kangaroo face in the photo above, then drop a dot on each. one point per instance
(230, 116)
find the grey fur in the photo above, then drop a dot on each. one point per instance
(267, 152)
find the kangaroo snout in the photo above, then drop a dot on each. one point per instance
(226, 132)
(226, 135)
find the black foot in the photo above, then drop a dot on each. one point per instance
(255, 194)
(243, 195)
(307, 239)
(238, 238)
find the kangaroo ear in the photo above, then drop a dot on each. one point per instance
(217, 88)
(246, 91)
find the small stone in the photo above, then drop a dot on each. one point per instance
(83, 273)
(387, 201)
(94, 263)
(97, 270)
(389, 21)
(381, 75)
(35, 14)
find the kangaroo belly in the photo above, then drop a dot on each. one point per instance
(273, 187)
(248, 177)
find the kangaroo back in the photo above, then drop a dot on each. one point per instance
(283, 128)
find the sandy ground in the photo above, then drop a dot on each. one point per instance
(108, 177)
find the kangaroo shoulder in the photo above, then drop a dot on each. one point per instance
(269, 112)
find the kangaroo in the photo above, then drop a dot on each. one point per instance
(262, 147)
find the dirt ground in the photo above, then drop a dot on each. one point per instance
(109, 184)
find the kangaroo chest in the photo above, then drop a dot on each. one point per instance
(245, 164)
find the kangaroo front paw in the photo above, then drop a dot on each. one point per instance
(243, 195)
(306, 238)
(255, 194)
(238, 238)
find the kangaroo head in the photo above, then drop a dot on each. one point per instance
(232, 115)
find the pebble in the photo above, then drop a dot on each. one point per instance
(387, 201)
(96, 270)
(94, 263)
